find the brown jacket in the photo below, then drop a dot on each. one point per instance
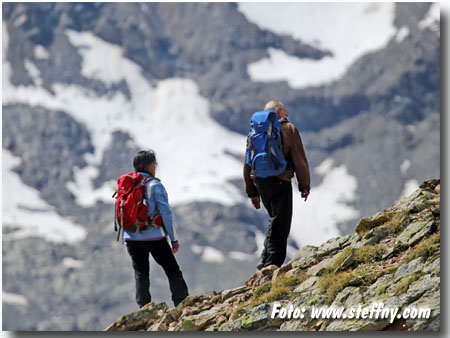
(293, 151)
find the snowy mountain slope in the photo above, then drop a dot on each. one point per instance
(124, 112)
(197, 156)
(328, 205)
(432, 18)
(153, 117)
(348, 30)
(25, 211)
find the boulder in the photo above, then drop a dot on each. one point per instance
(258, 318)
(331, 246)
(318, 269)
(307, 284)
(138, 320)
(225, 294)
(283, 269)
(369, 223)
(415, 232)
(158, 327)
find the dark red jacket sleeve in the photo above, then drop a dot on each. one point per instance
(249, 186)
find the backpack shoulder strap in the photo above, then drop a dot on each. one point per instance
(151, 181)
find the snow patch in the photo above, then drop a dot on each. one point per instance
(411, 128)
(5, 39)
(241, 256)
(325, 167)
(259, 239)
(34, 72)
(197, 249)
(111, 67)
(14, 299)
(41, 53)
(402, 34)
(6, 68)
(406, 164)
(71, 263)
(23, 207)
(212, 255)
(409, 187)
(327, 206)
(83, 188)
(20, 20)
(208, 253)
(432, 18)
(348, 30)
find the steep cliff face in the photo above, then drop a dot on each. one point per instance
(392, 258)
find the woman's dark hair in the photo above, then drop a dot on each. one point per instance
(142, 159)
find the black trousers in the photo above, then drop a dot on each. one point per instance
(162, 254)
(276, 196)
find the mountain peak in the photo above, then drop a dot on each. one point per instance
(392, 258)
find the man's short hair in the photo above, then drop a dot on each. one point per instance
(142, 159)
(274, 105)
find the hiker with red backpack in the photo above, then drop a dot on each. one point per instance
(274, 153)
(144, 215)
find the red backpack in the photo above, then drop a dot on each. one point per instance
(131, 211)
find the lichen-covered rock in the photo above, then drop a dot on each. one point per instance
(431, 299)
(369, 223)
(232, 292)
(331, 246)
(409, 267)
(375, 235)
(138, 320)
(186, 324)
(433, 266)
(283, 269)
(171, 315)
(415, 232)
(318, 269)
(418, 288)
(427, 229)
(346, 263)
(201, 321)
(257, 319)
(158, 327)
(305, 257)
(306, 284)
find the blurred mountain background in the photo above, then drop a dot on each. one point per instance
(86, 85)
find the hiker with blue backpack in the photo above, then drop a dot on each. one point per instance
(144, 215)
(274, 153)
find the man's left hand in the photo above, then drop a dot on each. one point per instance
(305, 194)
(256, 201)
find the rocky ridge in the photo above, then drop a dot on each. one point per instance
(393, 257)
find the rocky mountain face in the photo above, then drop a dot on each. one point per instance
(390, 95)
(380, 121)
(393, 258)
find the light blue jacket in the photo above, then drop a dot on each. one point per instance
(158, 203)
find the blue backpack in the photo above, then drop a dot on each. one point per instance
(264, 154)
